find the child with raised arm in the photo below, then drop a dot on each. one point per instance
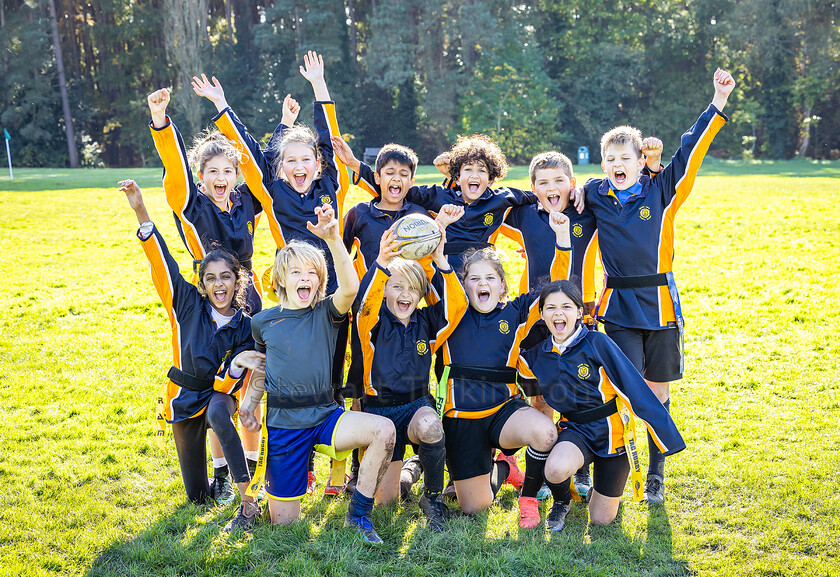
(298, 337)
(635, 214)
(397, 341)
(211, 353)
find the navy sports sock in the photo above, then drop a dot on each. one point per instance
(534, 469)
(220, 471)
(657, 459)
(561, 492)
(498, 475)
(432, 457)
(312, 461)
(360, 506)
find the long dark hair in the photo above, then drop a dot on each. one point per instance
(222, 255)
(566, 287)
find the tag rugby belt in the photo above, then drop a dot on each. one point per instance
(501, 375)
(188, 381)
(635, 282)
(592, 415)
(395, 400)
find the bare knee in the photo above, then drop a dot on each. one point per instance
(430, 430)
(601, 517)
(545, 439)
(557, 472)
(385, 433)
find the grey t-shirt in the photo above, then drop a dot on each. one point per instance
(298, 365)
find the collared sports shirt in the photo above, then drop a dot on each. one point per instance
(592, 371)
(199, 347)
(637, 239)
(398, 358)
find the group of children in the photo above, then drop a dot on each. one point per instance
(490, 350)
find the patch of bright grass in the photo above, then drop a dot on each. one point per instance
(87, 491)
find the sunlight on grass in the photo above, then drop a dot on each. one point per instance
(86, 347)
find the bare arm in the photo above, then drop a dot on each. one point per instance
(348, 281)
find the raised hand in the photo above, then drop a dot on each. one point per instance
(559, 223)
(212, 91)
(438, 257)
(135, 199)
(345, 154)
(250, 360)
(158, 101)
(724, 84)
(313, 66)
(388, 248)
(441, 162)
(448, 214)
(327, 227)
(291, 109)
(652, 149)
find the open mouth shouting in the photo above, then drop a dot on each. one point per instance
(404, 305)
(619, 177)
(300, 179)
(483, 295)
(553, 201)
(220, 296)
(304, 292)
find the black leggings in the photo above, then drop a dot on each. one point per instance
(191, 443)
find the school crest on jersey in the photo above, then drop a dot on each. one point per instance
(644, 213)
(325, 199)
(504, 327)
(488, 219)
(583, 371)
(250, 227)
(422, 348)
(577, 230)
(224, 360)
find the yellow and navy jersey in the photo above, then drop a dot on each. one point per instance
(482, 218)
(529, 226)
(397, 358)
(288, 211)
(491, 341)
(201, 224)
(637, 239)
(199, 348)
(588, 373)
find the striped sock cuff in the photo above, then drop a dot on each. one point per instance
(538, 455)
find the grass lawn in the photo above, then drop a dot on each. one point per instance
(87, 491)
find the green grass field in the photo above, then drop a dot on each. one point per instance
(85, 490)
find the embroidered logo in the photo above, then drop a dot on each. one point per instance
(644, 213)
(250, 227)
(488, 219)
(583, 370)
(577, 230)
(227, 354)
(504, 327)
(422, 348)
(325, 199)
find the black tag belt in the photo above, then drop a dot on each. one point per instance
(592, 415)
(504, 375)
(188, 381)
(635, 282)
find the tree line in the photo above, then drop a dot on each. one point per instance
(547, 74)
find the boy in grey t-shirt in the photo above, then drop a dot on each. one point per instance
(298, 337)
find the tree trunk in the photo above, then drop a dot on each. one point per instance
(351, 12)
(806, 136)
(70, 24)
(62, 86)
(228, 11)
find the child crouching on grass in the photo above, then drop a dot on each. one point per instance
(211, 353)
(298, 337)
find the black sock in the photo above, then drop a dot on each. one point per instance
(561, 492)
(498, 475)
(656, 466)
(354, 468)
(311, 461)
(252, 466)
(534, 469)
(432, 457)
(220, 471)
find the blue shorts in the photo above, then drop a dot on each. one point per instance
(287, 463)
(401, 416)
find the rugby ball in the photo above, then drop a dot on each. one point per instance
(417, 236)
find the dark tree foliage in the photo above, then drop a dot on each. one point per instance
(547, 74)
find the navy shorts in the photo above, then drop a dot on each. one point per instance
(655, 354)
(287, 463)
(609, 474)
(401, 416)
(469, 442)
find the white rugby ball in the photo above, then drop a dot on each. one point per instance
(417, 235)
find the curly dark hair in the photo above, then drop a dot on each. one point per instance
(221, 255)
(477, 147)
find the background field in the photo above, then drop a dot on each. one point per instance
(86, 490)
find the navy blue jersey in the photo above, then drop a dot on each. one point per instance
(482, 218)
(491, 340)
(202, 225)
(287, 210)
(637, 239)
(529, 225)
(199, 348)
(592, 371)
(397, 358)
